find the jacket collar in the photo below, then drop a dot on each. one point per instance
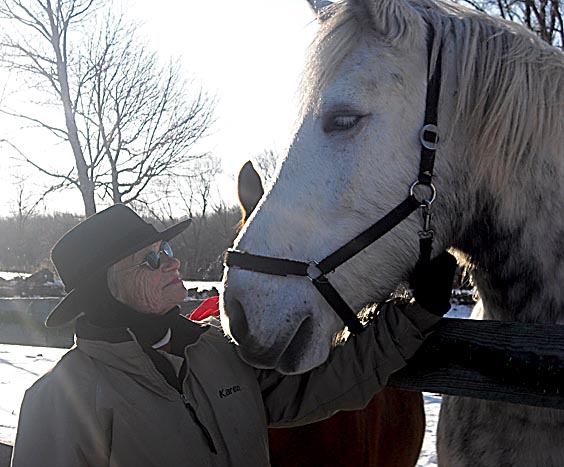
(184, 332)
(120, 349)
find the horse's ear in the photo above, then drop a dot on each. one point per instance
(391, 19)
(250, 189)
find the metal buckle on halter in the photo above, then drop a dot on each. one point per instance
(429, 136)
(313, 271)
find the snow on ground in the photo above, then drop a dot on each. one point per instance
(21, 366)
(8, 276)
(428, 456)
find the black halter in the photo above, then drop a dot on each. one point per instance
(317, 271)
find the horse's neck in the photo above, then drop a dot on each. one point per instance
(519, 264)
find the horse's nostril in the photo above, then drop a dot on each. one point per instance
(238, 326)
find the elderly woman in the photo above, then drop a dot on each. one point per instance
(146, 387)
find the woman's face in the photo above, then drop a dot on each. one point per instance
(144, 289)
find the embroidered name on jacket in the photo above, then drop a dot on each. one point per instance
(228, 391)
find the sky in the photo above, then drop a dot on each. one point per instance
(247, 53)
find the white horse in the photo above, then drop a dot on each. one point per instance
(498, 177)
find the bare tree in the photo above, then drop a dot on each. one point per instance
(188, 195)
(140, 118)
(25, 203)
(127, 119)
(24, 206)
(267, 165)
(543, 17)
(197, 188)
(36, 44)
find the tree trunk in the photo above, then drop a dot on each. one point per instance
(85, 183)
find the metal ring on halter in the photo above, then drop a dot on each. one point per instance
(313, 271)
(429, 143)
(423, 202)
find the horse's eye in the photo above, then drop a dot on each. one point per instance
(340, 122)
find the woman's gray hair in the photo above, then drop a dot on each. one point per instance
(113, 281)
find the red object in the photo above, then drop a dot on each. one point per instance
(209, 307)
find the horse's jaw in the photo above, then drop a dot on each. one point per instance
(290, 355)
(273, 331)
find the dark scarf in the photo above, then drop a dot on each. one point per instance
(103, 310)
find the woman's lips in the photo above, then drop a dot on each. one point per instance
(174, 281)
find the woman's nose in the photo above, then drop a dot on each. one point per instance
(169, 264)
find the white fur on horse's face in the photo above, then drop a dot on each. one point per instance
(333, 185)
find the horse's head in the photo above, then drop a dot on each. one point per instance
(356, 153)
(353, 159)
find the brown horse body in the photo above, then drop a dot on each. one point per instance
(387, 433)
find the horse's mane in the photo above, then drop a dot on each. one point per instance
(510, 84)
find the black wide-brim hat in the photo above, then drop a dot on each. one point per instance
(95, 244)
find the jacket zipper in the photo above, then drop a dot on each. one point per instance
(194, 416)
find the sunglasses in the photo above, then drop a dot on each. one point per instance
(153, 258)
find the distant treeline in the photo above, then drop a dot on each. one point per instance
(26, 242)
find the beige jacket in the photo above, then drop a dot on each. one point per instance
(106, 404)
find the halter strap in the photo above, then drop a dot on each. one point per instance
(316, 272)
(429, 135)
(370, 235)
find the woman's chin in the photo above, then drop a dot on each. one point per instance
(180, 295)
(175, 290)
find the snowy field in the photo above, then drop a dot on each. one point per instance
(21, 365)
